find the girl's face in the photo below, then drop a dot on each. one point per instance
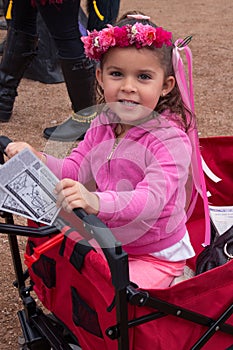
(135, 80)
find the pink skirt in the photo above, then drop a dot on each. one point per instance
(149, 272)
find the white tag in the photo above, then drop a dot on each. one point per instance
(209, 172)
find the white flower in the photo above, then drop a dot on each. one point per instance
(96, 42)
(134, 30)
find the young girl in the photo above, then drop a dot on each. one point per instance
(137, 150)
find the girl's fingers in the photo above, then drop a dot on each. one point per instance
(70, 202)
(10, 150)
(64, 184)
(15, 147)
(67, 190)
(69, 199)
(72, 194)
(71, 205)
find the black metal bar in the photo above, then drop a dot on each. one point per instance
(46, 328)
(114, 332)
(213, 329)
(147, 318)
(80, 213)
(27, 231)
(122, 319)
(32, 338)
(140, 298)
(170, 309)
(25, 277)
(16, 258)
(186, 314)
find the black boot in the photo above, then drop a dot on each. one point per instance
(2, 46)
(3, 24)
(79, 77)
(2, 8)
(19, 51)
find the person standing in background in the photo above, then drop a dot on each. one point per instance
(4, 23)
(61, 19)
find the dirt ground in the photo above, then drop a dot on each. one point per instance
(38, 106)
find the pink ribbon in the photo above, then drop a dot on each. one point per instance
(139, 17)
(186, 89)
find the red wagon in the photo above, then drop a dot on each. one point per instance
(92, 303)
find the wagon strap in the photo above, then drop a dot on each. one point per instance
(74, 248)
(29, 260)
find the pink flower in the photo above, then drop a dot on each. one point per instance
(107, 38)
(88, 43)
(146, 34)
(121, 35)
(163, 37)
(97, 43)
(150, 36)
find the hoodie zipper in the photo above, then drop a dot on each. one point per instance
(109, 157)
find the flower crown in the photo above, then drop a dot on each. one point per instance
(97, 43)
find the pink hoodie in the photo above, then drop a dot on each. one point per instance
(140, 181)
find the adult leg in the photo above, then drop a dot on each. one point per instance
(4, 25)
(20, 48)
(1, 8)
(78, 71)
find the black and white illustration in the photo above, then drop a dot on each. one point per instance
(27, 188)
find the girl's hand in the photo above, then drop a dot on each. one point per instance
(72, 194)
(15, 147)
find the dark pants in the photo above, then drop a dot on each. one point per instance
(61, 20)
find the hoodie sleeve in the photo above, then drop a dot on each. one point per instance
(77, 165)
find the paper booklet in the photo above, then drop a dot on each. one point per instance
(26, 188)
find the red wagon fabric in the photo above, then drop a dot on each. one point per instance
(73, 281)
